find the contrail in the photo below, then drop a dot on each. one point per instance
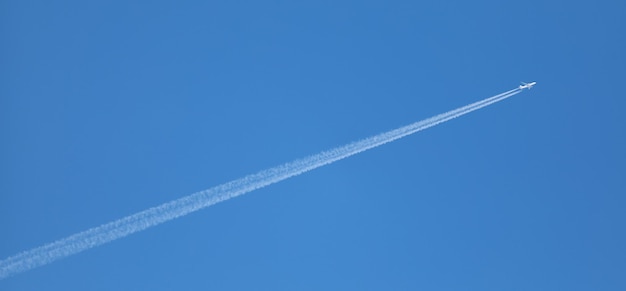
(111, 231)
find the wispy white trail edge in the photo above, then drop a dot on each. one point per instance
(111, 231)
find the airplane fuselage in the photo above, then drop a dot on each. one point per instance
(527, 85)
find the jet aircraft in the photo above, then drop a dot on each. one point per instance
(527, 85)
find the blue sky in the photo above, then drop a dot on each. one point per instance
(110, 108)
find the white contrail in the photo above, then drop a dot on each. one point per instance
(105, 233)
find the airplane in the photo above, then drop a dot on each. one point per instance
(527, 85)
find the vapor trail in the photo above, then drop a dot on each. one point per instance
(105, 233)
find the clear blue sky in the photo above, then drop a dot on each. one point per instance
(107, 109)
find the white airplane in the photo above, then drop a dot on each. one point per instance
(527, 85)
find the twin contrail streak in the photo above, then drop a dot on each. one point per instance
(111, 231)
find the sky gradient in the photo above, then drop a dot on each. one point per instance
(108, 109)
